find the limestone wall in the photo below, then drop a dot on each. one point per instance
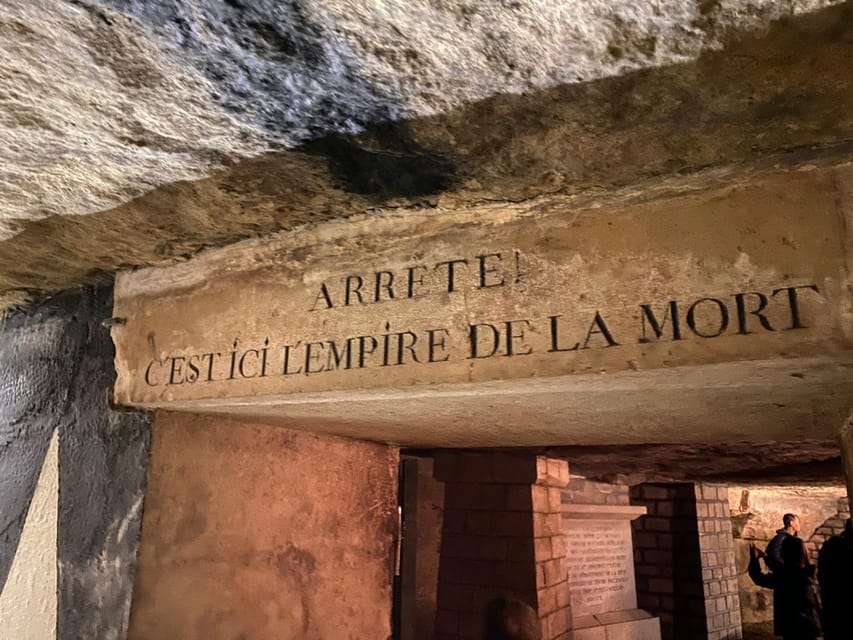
(260, 532)
(69, 511)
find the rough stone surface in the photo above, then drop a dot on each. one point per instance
(95, 111)
(102, 102)
(847, 455)
(56, 371)
(779, 462)
(103, 456)
(253, 531)
(34, 351)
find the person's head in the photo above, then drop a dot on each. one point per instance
(791, 522)
(510, 619)
(794, 553)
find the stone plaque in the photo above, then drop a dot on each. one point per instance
(601, 566)
(600, 562)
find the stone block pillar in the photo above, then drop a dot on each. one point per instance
(501, 536)
(684, 557)
(717, 555)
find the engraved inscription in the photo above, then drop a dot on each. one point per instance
(600, 566)
(556, 330)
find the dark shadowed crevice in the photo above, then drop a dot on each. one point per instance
(387, 163)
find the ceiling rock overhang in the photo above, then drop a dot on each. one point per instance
(140, 133)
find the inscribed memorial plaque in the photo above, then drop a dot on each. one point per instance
(601, 566)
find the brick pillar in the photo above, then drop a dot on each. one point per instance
(666, 559)
(719, 573)
(501, 536)
(684, 558)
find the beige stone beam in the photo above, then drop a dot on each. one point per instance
(723, 313)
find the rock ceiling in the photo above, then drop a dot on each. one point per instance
(809, 462)
(138, 132)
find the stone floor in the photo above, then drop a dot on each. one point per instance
(759, 631)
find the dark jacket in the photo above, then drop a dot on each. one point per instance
(796, 606)
(835, 574)
(774, 550)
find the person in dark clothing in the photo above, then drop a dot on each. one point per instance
(791, 527)
(835, 575)
(510, 619)
(796, 606)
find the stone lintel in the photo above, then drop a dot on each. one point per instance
(389, 316)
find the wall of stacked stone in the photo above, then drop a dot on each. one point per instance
(832, 526)
(502, 536)
(684, 559)
(666, 558)
(719, 573)
(583, 491)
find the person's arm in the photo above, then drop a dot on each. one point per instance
(766, 580)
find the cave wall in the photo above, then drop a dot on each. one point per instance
(69, 511)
